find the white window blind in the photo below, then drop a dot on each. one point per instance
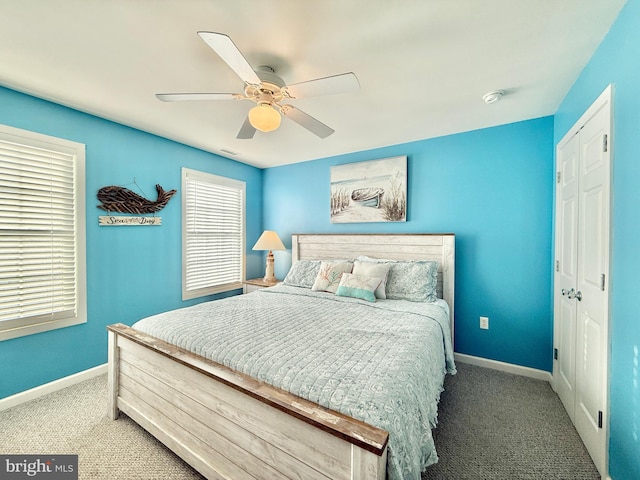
(40, 245)
(213, 233)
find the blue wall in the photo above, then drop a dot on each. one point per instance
(131, 271)
(493, 189)
(617, 62)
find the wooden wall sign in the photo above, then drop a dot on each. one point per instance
(114, 221)
(123, 200)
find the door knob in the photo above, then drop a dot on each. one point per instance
(573, 294)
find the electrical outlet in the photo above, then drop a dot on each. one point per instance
(484, 323)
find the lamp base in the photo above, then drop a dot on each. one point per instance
(269, 276)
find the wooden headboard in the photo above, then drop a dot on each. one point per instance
(427, 246)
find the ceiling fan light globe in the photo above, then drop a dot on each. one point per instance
(264, 118)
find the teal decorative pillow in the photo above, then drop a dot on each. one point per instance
(376, 270)
(302, 273)
(358, 286)
(329, 276)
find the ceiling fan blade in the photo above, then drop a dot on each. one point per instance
(343, 83)
(227, 50)
(307, 121)
(183, 97)
(247, 131)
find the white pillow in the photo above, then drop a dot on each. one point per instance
(376, 270)
(358, 286)
(329, 276)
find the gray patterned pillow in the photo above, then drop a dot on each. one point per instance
(302, 273)
(415, 281)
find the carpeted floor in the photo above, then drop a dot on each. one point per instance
(73, 421)
(492, 425)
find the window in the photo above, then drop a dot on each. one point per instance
(212, 234)
(42, 233)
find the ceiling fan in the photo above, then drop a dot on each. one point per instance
(267, 90)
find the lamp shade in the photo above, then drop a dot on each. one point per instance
(269, 240)
(264, 117)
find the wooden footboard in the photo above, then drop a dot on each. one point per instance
(231, 426)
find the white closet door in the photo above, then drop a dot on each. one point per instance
(593, 268)
(566, 272)
(581, 281)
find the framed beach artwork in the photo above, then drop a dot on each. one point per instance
(373, 191)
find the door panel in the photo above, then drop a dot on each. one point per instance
(593, 258)
(592, 261)
(590, 369)
(566, 271)
(567, 359)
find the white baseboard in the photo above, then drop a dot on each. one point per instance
(51, 387)
(504, 367)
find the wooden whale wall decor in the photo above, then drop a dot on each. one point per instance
(123, 200)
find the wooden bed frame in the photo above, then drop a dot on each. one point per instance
(228, 425)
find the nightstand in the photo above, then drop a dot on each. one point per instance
(254, 284)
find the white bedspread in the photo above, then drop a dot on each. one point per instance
(383, 362)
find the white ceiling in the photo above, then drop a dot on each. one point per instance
(423, 65)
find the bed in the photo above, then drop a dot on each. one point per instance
(226, 419)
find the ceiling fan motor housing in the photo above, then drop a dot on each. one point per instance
(268, 75)
(269, 91)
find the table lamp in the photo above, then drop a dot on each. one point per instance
(269, 240)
